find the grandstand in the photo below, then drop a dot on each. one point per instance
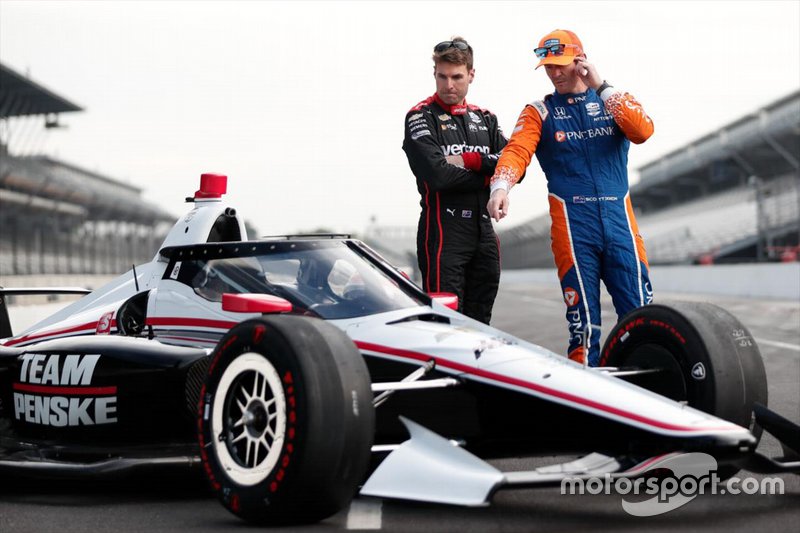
(55, 217)
(732, 195)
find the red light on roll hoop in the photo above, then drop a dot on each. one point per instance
(212, 186)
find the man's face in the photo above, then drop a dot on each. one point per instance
(452, 82)
(564, 77)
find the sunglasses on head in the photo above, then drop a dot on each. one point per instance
(444, 45)
(554, 49)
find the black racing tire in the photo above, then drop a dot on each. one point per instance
(710, 359)
(285, 420)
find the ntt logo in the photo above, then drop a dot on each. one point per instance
(692, 474)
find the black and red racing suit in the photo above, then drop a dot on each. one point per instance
(457, 248)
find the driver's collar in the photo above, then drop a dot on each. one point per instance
(455, 109)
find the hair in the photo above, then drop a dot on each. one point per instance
(454, 55)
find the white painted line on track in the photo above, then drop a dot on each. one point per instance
(365, 514)
(779, 344)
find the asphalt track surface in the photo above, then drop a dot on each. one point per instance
(534, 312)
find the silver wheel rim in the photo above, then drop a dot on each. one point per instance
(248, 419)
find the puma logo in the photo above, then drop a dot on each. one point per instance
(451, 211)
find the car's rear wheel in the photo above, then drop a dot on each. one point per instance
(703, 354)
(285, 420)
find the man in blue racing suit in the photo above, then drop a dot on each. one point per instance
(580, 135)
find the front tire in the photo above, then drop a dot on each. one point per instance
(706, 356)
(285, 420)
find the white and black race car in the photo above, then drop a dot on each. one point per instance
(294, 368)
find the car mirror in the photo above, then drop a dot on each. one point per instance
(447, 299)
(255, 303)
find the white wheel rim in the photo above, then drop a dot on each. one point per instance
(248, 419)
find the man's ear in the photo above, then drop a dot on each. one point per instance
(471, 75)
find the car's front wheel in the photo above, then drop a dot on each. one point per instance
(700, 354)
(285, 420)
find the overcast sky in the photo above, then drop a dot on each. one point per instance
(302, 103)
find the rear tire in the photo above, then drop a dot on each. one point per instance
(285, 420)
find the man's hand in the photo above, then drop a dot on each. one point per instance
(498, 204)
(588, 73)
(456, 160)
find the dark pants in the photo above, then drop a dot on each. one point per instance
(458, 252)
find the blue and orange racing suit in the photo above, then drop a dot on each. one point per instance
(581, 142)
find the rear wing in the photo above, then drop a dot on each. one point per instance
(5, 322)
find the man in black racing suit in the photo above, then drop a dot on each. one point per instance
(453, 148)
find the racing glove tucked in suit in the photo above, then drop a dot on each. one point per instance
(457, 248)
(581, 142)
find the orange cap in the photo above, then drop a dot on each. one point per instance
(573, 47)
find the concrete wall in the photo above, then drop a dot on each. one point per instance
(764, 280)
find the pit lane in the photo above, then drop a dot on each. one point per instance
(177, 501)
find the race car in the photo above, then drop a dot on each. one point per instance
(292, 369)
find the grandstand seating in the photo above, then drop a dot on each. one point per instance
(58, 218)
(684, 232)
(678, 234)
(681, 233)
